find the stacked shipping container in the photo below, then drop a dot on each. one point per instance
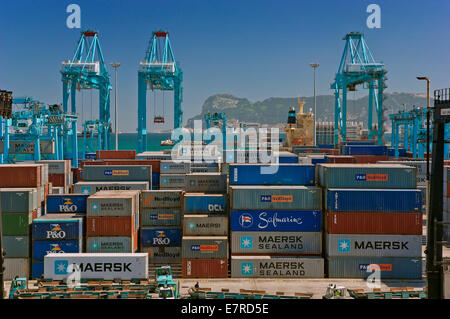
(173, 174)
(373, 220)
(275, 230)
(112, 222)
(161, 226)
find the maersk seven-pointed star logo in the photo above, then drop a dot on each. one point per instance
(247, 269)
(61, 267)
(94, 245)
(85, 190)
(191, 225)
(344, 245)
(246, 242)
(94, 206)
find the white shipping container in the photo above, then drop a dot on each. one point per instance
(104, 266)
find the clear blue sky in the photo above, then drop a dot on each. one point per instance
(250, 48)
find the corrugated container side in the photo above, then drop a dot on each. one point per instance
(136, 266)
(374, 245)
(172, 167)
(204, 203)
(161, 236)
(390, 267)
(161, 199)
(16, 246)
(94, 187)
(111, 226)
(298, 243)
(168, 181)
(373, 200)
(153, 163)
(276, 220)
(204, 225)
(117, 204)
(117, 173)
(380, 223)
(281, 174)
(16, 224)
(205, 268)
(122, 154)
(18, 200)
(162, 254)
(206, 183)
(41, 248)
(161, 217)
(111, 244)
(204, 247)
(66, 203)
(276, 197)
(276, 267)
(340, 159)
(55, 166)
(52, 229)
(367, 176)
(16, 267)
(37, 269)
(20, 175)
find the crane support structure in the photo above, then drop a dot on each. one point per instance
(159, 71)
(87, 70)
(358, 66)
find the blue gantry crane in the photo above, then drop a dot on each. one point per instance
(87, 70)
(159, 71)
(357, 67)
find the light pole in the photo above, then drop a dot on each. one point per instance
(424, 78)
(116, 121)
(315, 66)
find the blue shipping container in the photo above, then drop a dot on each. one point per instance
(204, 203)
(43, 247)
(155, 179)
(157, 236)
(66, 203)
(315, 161)
(37, 269)
(364, 150)
(391, 152)
(373, 200)
(57, 229)
(282, 174)
(276, 220)
(390, 267)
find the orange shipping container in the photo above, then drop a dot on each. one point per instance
(131, 154)
(20, 176)
(205, 268)
(341, 159)
(57, 180)
(111, 226)
(370, 159)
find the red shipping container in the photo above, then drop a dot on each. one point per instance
(110, 226)
(370, 159)
(131, 154)
(205, 268)
(341, 159)
(57, 180)
(20, 176)
(155, 164)
(375, 223)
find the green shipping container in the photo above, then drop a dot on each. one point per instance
(18, 200)
(367, 176)
(16, 224)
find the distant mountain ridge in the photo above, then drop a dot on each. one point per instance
(274, 110)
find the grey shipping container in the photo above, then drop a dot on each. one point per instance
(390, 267)
(113, 203)
(276, 197)
(204, 247)
(18, 200)
(205, 169)
(16, 246)
(276, 267)
(114, 173)
(205, 225)
(276, 243)
(55, 166)
(374, 245)
(162, 255)
(206, 183)
(172, 167)
(172, 181)
(16, 267)
(108, 245)
(93, 187)
(420, 165)
(367, 176)
(161, 217)
(161, 199)
(57, 190)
